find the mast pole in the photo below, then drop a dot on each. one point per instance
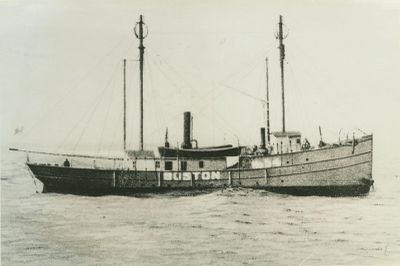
(124, 104)
(282, 59)
(267, 103)
(141, 59)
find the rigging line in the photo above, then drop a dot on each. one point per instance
(218, 125)
(94, 109)
(171, 67)
(113, 141)
(246, 74)
(202, 103)
(177, 115)
(117, 137)
(309, 59)
(217, 115)
(244, 93)
(255, 65)
(155, 95)
(133, 85)
(108, 147)
(220, 91)
(178, 88)
(73, 129)
(64, 154)
(212, 93)
(317, 85)
(214, 89)
(203, 99)
(300, 103)
(150, 101)
(72, 88)
(97, 103)
(233, 130)
(261, 89)
(209, 93)
(253, 60)
(110, 102)
(323, 86)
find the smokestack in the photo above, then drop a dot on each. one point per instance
(186, 130)
(262, 138)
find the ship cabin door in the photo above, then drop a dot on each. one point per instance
(183, 165)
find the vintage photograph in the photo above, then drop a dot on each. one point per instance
(200, 132)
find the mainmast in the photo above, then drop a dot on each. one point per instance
(267, 103)
(124, 104)
(282, 59)
(140, 36)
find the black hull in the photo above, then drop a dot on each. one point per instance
(329, 191)
(136, 192)
(82, 186)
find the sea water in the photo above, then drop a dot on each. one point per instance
(221, 228)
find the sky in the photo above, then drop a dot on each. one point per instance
(61, 72)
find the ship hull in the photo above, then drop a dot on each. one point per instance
(336, 171)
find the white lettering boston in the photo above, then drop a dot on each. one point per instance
(187, 176)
